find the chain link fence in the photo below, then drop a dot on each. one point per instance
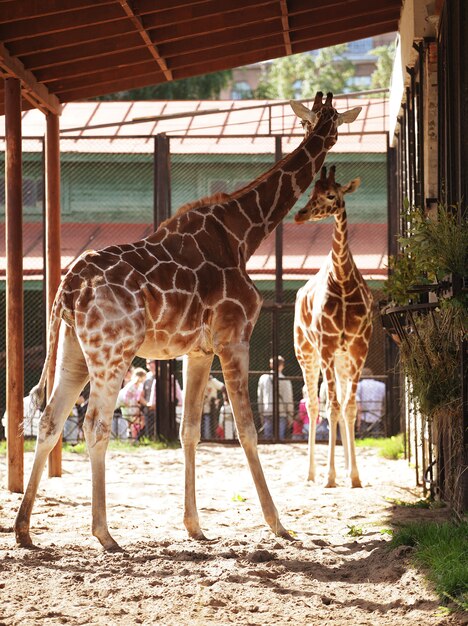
(107, 197)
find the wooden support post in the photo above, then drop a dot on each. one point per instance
(14, 285)
(53, 254)
(165, 413)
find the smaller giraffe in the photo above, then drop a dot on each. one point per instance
(332, 327)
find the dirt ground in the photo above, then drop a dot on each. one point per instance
(243, 575)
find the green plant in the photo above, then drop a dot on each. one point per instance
(238, 498)
(432, 250)
(442, 551)
(389, 447)
(354, 531)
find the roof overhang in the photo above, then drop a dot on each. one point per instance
(65, 50)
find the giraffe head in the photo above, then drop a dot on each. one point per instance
(322, 111)
(327, 197)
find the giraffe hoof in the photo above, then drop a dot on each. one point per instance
(23, 540)
(198, 536)
(285, 535)
(330, 484)
(114, 548)
(355, 483)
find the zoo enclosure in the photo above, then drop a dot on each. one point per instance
(114, 188)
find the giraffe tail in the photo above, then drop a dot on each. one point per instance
(37, 393)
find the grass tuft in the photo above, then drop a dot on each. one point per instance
(389, 447)
(442, 551)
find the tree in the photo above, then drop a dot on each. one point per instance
(302, 75)
(382, 74)
(205, 87)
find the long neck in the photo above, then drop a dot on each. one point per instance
(259, 207)
(342, 260)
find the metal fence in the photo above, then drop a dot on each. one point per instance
(107, 195)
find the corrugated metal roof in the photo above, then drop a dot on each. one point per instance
(212, 133)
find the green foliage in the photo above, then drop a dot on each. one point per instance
(442, 551)
(419, 504)
(389, 447)
(29, 446)
(433, 248)
(238, 498)
(382, 75)
(302, 75)
(354, 531)
(206, 87)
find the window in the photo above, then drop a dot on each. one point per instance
(241, 90)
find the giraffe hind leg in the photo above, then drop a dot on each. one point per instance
(71, 376)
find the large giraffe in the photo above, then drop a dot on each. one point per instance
(182, 290)
(332, 326)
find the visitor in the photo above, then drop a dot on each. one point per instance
(370, 398)
(211, 405)
(265, 401)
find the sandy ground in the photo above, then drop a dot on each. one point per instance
(243, 575)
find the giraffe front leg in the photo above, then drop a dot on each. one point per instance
(350, 419)
(196, 373)
(333, 414)
(235, 365)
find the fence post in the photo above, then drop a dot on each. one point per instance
(165, 412)
(14, 285)
(53, 252)
(278, 301)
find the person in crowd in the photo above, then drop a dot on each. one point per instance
(211, 405)
(370, 397)
(178, 400)
(301, 424)
(226, 426)
(149, 394)
(265, 401)
(131, 401)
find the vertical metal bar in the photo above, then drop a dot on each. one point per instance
(53, 250)
(431, 461)
(14, 285)
(464, 395)
(276, 311)
(279, 238)
(392, 425)
(165, 412)
(421, 48)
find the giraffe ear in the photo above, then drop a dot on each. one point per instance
(303, 112)
(348, 116)
(351, 186)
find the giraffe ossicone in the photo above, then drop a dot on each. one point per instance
(332, 327)
(183, 290)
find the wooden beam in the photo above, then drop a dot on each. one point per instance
(153, 49)
(285, 22)
(113, 63)
(60, 22)
(32, 89)
(14, 286)
(78, 37)
(56, 59)
(111, 79)
(32, 10)
(53, 250)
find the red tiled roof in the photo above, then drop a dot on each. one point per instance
(305, 247)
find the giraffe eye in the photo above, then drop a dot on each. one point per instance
(331, 196)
